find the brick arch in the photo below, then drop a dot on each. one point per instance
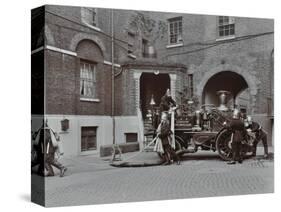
(83, 36)
(251, 80)
(50, 40)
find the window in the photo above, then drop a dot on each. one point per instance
(226, 26)
(87, 79)
(131, 137)
(144, 47)
(190, 84)
(131, 40)
(88, 138)
(89, 16)
(175, 30)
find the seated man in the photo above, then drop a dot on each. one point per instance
(260, 134)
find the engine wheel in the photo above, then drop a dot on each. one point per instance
(223, 144)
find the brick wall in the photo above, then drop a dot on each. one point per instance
(251, 56)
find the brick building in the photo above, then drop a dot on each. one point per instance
(86, 51)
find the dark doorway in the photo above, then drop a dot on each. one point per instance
(152, 84)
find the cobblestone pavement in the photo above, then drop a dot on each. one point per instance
(90, 180)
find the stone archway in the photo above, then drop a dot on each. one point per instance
(249, 79)
(227, 81)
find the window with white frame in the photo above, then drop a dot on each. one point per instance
(87, 79)
(175, 30)
(226, 26)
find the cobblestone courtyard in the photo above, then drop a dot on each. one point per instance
(91, 180)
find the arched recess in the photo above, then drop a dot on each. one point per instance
(251, 81)
(225, 80)
(88, 50)
(83, 36)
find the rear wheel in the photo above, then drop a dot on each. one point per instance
(223, 144)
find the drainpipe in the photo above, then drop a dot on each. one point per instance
(112, 77)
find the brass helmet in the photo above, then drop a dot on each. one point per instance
(249, 119)
(236, 113)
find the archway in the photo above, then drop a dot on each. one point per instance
(229, 81)
(152, 84)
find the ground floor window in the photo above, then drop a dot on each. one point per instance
(88, 138)
(131, 137)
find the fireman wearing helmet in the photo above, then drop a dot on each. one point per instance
(260, 134)
(237, 128)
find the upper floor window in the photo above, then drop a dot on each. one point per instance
(226, 26)
(87, 79)
(175, 30)
(89, 16)
(190, 84)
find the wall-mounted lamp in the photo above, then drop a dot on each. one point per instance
(64, 124)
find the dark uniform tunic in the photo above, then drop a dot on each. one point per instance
(166, 103)
(165, 132)
(260, 135)
(50, 151)
(238, 130)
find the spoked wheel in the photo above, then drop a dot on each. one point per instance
(223, 144)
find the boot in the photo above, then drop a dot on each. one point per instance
(254, 152)
(231, 162)
(265, 152)
(62, 171)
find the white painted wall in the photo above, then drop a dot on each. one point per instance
(71, 139)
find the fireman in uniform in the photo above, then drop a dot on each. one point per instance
(164, 132)
(166, 102)
(50, 151)
(237, 128)
(260, 134)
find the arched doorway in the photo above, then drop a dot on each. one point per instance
(229, 81)
(152, 84)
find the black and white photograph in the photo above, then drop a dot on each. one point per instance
(132, 105)
(140, 105)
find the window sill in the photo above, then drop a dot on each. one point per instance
(132, 56)
(84, 99)
(174, 45)
(226, 38)
(92, 27)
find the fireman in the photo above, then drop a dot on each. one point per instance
(238, 130)
(166, 102)
(260, 134)
(164, 133)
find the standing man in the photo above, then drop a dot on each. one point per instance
(167, 102)
(238, 130)
(260, 134)
(164, 133)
